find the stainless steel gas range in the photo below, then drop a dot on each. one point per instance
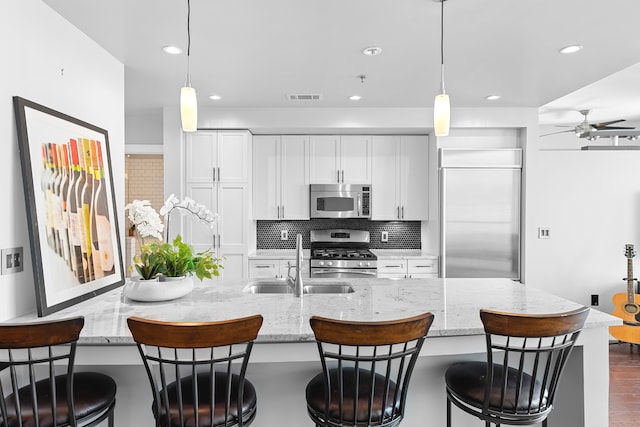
(342, 253)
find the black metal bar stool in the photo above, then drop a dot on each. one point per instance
(38, 385)
(366, 368)
(526, 355)
(197, 370)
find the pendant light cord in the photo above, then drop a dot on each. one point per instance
(188, 40)
(442, 46)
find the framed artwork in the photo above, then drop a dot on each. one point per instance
(73, 223)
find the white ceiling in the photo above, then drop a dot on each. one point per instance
(254, 52)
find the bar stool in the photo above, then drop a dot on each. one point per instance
(366, 368)
(37, 372)
(532, 350)
(192, 373)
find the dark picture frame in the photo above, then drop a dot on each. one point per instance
(71, 209)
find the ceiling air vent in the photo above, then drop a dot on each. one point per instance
(304, 97)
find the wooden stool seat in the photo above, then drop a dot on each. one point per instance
(526, 355)
(366, 368)
(197, 370)
(41, 387)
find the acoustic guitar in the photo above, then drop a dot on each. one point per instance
(627, 306)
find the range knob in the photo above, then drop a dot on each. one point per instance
(360, 264)
(321, 263)
(330, 263)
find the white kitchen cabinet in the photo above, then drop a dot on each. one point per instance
(217, 156)
(407, 268)
(281, 177)
(217, 176)
(400, 178)
(342, 159)
(229, 236)
(269, 268)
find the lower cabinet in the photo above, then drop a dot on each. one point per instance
(269, 268)
(407, 268)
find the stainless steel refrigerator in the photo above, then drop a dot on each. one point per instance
(480, 212)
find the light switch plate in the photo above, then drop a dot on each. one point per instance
(284, 235)
(384, 236)
(12, 260)
(544, 233)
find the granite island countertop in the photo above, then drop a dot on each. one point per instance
(454, 302)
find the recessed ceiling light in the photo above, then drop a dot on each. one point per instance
(172, 50)
(492, 97)
(215, 97)
(355, 97)
(571, 49)
(372, 51)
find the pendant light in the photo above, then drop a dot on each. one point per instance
(441, 106)
(188, 100)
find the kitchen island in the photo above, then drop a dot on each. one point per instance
(285, 356)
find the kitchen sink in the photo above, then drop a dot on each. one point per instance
(280, 286)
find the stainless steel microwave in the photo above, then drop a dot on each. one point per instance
(340, 201)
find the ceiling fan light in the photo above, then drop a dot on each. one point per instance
(189, 109)
(441, 114)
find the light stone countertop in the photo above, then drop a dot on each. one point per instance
(454, 302)
(403, 253)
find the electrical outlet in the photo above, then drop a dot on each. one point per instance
(384, 236)
(544, 233)
(595, 299)
(12, 260)
(284, 235)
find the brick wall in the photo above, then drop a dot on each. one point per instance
(144, 180)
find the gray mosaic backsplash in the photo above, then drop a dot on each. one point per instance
(402, 235)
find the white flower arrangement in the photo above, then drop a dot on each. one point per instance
(189, 205)
(174, 259)
(145, 219)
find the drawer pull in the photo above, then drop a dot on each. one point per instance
(262, 266)
(392, 266)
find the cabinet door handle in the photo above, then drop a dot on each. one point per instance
(214, 174)
(278, 212)
(338, 172)
(342, 175)
(214, 241)
(398, 215)
(219, 176)
(282, 211)
(219, 241)
(403, 212)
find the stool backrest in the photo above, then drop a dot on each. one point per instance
(175, 351)
(534, 350)
(31, 353)
(371, 355)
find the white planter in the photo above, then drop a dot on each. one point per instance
(154, 290)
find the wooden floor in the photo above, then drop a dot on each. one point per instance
(624, 385)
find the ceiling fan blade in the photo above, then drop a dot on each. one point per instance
(615, 127)
(554, 133)
(603, 124)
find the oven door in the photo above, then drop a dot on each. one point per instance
(343, 273)
(336, 205)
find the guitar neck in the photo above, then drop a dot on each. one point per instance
(630, 297)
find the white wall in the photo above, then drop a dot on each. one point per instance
(52, 63)
(591, 202)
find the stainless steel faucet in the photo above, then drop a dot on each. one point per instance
(296, 283)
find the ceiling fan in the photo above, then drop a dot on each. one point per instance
(593, 131)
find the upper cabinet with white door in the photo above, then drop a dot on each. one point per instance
(217, 156)
(281, 177)
(217, 176)
(400, 178)
(340, 159)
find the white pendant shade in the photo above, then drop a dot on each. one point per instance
(441, 114)
(189, 109)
